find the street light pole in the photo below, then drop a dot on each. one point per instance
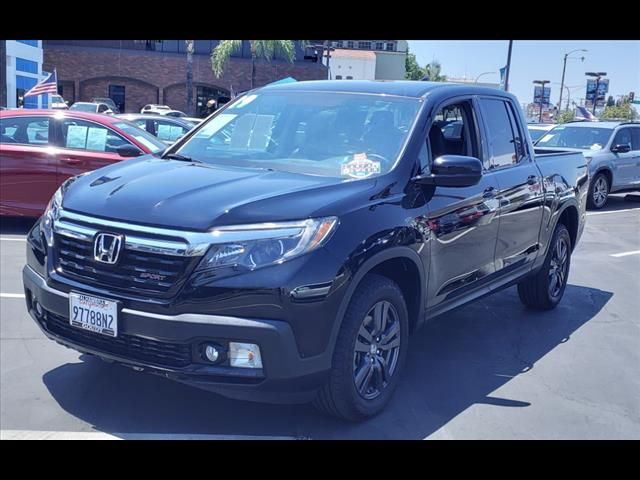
(506, 75)
(564, 68)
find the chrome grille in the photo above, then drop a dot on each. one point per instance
(136, 271)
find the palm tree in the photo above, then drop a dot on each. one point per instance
(432, 72)
(266, 49)
(190, 47)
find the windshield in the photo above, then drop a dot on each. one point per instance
(329, 134)
(56, 99)
(587, 138)
(142, 136)
(84, 107)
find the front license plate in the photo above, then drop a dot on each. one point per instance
(93, 313)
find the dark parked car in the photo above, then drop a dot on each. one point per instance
(286, 248)
(40, 149)
(165, 128)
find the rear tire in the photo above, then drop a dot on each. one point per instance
(545, 289)
(369, 353)
(598, 192)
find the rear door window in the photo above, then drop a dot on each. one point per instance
(635, 138)
(502, 140)
(84, 135)
(25, 131)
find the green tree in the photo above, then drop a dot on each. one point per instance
(566, 116)
(432, 72)
(624, 111)
(611, 102)
(412, 69)
(266, 49)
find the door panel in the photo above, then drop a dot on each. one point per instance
(85, 146)
(464, 227)
(520, 197)
(27, 166)
(624, 164)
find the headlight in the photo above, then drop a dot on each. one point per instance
(259, 245)
(50, 215)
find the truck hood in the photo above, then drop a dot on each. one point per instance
(194, 196)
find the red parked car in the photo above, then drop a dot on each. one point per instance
(39, 149)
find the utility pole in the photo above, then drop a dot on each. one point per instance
(506, 75)
(564, 68)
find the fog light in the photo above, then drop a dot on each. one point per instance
(244, 355)
(38, 308)
(211, 353)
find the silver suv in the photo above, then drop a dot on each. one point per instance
(612, 150)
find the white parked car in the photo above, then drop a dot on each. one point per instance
(156, 109)
(537, 130)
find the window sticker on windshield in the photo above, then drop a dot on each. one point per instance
(215, 124)
(97, 139)
(243, 102)
(360, 167)
(76, 136)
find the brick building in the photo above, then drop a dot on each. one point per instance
(134, 73)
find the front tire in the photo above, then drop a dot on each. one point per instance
(370, 352)
(598, 192)
(545, 289)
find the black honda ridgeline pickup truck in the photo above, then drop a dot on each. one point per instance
(285, 249)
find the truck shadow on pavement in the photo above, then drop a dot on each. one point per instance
(455, 362)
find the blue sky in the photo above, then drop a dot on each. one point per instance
(537, 60)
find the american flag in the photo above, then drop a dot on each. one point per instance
(48, 85)
(583, 114)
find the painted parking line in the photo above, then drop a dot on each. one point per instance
(13, 239)
(625, 254)
(50, 435)
(614, 211)
(11, 295)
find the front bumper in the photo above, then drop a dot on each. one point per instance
(168, 345)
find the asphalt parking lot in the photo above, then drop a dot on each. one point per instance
(490, 370)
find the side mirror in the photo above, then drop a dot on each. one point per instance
(129, 151)
(452, 171)
(621, 148)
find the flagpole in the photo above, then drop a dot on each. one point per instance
(506, 77)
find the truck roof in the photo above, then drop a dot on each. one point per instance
(613, 124)
(405, 88)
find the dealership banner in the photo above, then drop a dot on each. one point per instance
(603, 89)
(539, 98)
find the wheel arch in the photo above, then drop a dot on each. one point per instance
(400, 264)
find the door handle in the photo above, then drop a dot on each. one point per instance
(489, 192)
(532, 180)
(72, 161)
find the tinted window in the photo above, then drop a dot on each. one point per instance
(152, 143)
(83, 135)
(168, 131)
(635, 138)
(587, 137)
(83, 107)
(24, 130)
(501, 138)
(24, 65)
(623, 137)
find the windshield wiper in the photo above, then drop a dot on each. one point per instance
(184, 158)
